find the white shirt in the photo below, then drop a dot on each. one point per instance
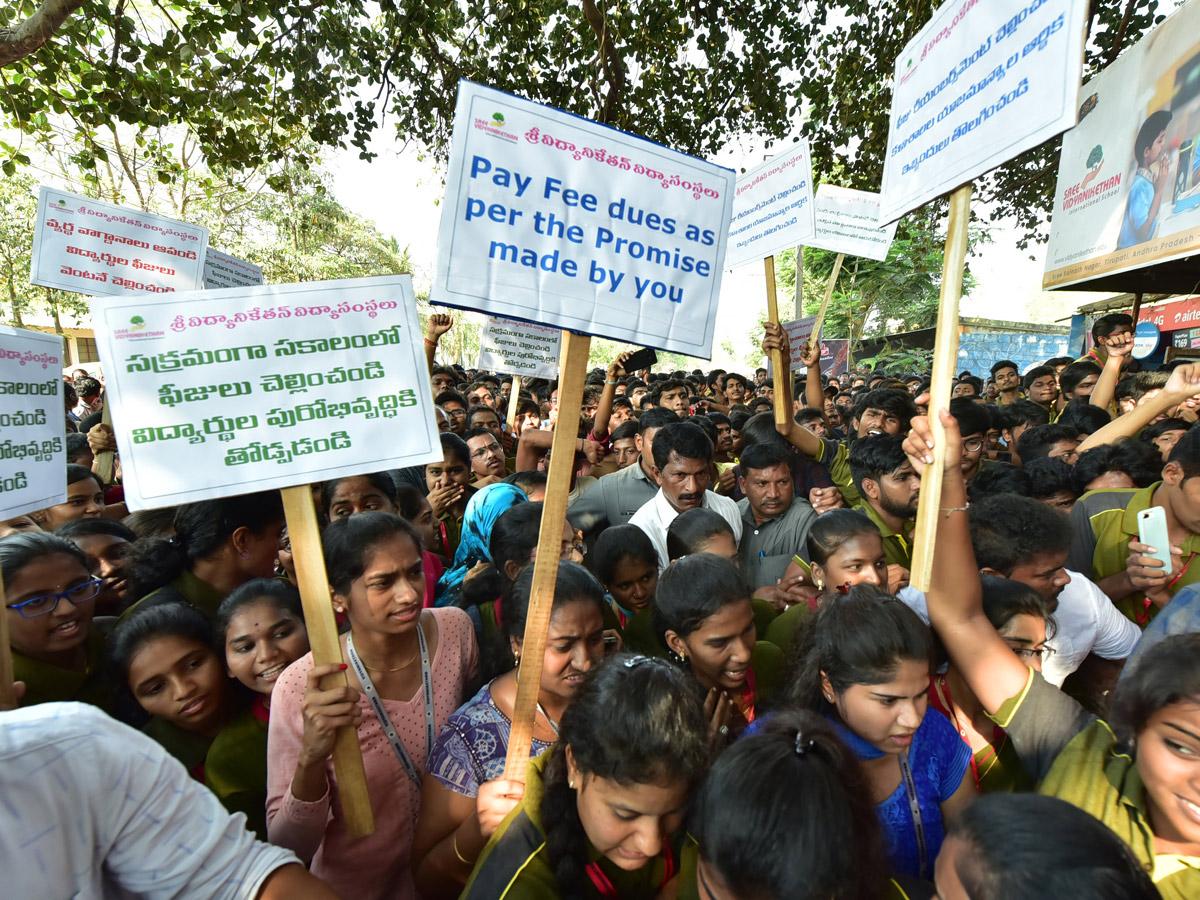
(90, 808)
(1085, 622)
(657, 514)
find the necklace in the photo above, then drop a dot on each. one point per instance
(397, 669)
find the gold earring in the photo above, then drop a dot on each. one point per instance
(571, 783)
(820, 585)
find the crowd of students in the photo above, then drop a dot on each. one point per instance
(742, 696)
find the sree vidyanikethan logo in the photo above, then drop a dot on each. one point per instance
(498, 119)
(137, 323)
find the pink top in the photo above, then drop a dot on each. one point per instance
(375, 867)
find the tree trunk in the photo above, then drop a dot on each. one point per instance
(18, 42)
(16, 306)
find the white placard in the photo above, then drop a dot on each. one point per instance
(510, 347)
(981, 83)
(772, 208)
(216, 393)
(554, 219)
(847, 223)
(1102, 222)
(224, 271)
(799, 333)
(33, 453)
(88, 247)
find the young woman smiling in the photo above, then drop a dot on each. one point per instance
(463, 799)
(408, 670)
(260, 626)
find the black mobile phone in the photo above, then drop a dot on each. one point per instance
(642, 359)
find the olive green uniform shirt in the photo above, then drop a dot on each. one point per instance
(897, 545)
(48, 683)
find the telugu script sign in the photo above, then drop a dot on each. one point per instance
(222, 271)
(772, 208)
(88, 247)
(847, 223)
(554, 219)
(981, 83)
(33, 453)
(226, 392)
(519, 348)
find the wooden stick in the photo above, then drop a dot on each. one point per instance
(798, 299)
(572, 373)
(106, 462)
(780, 364)
(326, 649)
(513, 401)
(817, 325)
(945, 361)
(8, 697)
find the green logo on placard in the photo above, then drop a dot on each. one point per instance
(498, 118)
(137, 323)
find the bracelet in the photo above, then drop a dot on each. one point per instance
(461, 858)
(430, 343)
(612, 382)
(953, 509)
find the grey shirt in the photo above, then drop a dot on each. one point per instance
(766, 549)
(612, 500)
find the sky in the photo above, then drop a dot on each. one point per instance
(1009, 285)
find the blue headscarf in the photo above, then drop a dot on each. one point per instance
(480, 516)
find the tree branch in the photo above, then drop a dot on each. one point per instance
(1115, 49)
(27, 37)
(610, 60)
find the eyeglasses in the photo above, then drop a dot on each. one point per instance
(1025, 654)
(973, 445)
(483, 452)
(455, 413)
(47, 603)
(568, 549)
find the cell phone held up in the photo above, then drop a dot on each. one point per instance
(645, 358)
(1152, 531)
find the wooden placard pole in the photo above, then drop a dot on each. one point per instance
(945, 362)
(514, 401)
(572, 373)
(8, 698)
(781, 365)
(106, 463)
(305, 536)
(820, 322)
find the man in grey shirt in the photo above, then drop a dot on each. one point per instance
(616, 497)
(775, 522)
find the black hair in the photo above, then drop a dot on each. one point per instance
(894, 401)
(79, 473)
(764, 456)
(528, 406)
(1186, 454)
(1007, 530)
(1141, 462)
(201, 529)
(152, 523)
(444, 370)
(634, 720)
(760, 406)
(974, 382)
(759, 429)
(736, 377)
(829, 531)
(1158, 429)
(1056, 361)
(77, 447)
(1003, 364)
(451, 397)
(1000, 478)
(381, 481)
(707, 425)
(527, 480)
(20, 549)
(738, 420)
(693, 527)
(94, 525)
(618, 543)
(1080, 415)
(453, 445)
(808, 414)
(692, 589)
(1005, 599)
(857, 639)
(1156, 123)
(1022, 412)
(1049, 476)
(408, 501)
(474, 410)
(573, 583)
(1070, 377)
(1029, 847)
(86, 386)
(1034, 374)
(349, 543)
(656, 417)
(279, 593)
(479, 431)
(1037, 441)
(624, 431)
(874, 456)
(173, 619)
(794, 780)
(972, 418)
(670, 384)
(513, 539)
(1169, 674)
(719, 418)
(684, 439)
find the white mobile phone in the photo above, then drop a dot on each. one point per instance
(1152, 531)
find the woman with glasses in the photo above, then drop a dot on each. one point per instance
(50, 597)
(1019, 616)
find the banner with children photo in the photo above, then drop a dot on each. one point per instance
(1128, 192)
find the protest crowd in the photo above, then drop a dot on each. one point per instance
(742, 695)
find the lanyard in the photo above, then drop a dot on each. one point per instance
(914, 804)
(999, 736)
(381, 713)
(605, 887)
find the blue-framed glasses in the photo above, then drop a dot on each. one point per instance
(47, 603)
